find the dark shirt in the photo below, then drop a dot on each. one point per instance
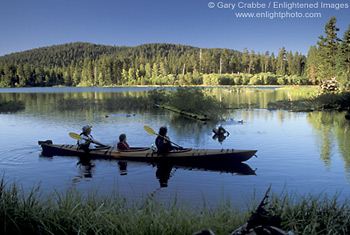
(123, 146)
(163, 144)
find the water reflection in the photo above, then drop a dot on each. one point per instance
(256, 98)
(332, 130)
(331, 127)
(220, 134)
(85, 167)
(317, 142)
(220, 137)
(164, 171)
(123, 168)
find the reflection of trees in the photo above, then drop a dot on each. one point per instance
(333, 129)
(68, 103)
(327, 144)
(190, 128)
(128, 101)
(254, 98)
(343, 136)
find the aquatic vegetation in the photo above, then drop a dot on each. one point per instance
(189, 100)
(194, 101)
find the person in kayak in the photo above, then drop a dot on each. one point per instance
(122, 145)
(86, 134)
(163, 142)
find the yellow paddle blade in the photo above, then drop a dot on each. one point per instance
(75, 136)
(149, 130)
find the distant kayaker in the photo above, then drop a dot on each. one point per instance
(163, 142)
(86, 134)
(122, 145)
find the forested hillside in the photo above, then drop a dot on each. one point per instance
(87, 64)
(58, 55)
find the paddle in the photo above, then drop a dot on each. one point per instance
(152, 132)
(79, 137)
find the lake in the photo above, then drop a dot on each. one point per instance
(297, 152)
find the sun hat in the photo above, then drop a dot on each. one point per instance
(86, 128)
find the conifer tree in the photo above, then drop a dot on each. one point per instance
(224, 61)
(155, 73)
(125, 77)
(343, 61)
(289, 57)
(131, 77)
(312, 65)
(245, 60)
(327, 51)
(251, 61)
(148, 72)
(272, 63)
(267, 62)
(216, 61)
(281, 66)
(233, 66)
(20, 75)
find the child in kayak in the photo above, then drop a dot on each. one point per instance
(122, 145)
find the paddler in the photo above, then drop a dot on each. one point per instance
(163, 142)
(86, 134)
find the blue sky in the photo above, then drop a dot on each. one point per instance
(28, 24)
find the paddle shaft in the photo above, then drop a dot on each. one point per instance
(79, 137)
(95, 142)
(169, 140)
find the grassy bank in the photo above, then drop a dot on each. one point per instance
(73, 213)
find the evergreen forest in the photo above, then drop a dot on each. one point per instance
(87, 64)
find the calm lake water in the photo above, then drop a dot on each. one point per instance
(297, 152)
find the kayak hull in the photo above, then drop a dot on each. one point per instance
(185, 156)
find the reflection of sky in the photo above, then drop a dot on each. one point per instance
(288, 153)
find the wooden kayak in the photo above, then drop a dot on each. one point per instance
(185, 156)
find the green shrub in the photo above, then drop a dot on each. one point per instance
(194, 100)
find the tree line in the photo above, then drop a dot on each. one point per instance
(150, 64)
(86, 64)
